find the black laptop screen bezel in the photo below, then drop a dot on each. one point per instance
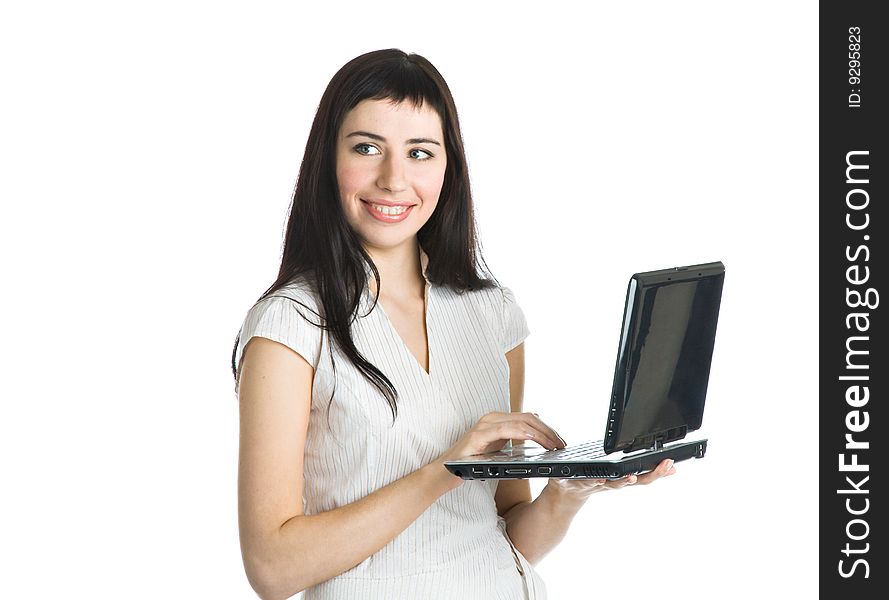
(641, 288)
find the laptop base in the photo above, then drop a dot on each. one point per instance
(601, 468)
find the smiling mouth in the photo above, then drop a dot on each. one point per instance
(390, 211)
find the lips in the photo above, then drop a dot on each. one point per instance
(380, 216)
(387, 202)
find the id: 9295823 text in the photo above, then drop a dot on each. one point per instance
(855, 67)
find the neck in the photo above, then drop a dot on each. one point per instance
(401, 274)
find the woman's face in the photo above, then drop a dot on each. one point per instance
(390, 166)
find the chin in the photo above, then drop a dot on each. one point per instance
(385, 242)
(386, 236)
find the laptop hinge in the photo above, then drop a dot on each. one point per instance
(654, 444)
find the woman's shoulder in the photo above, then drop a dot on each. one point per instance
(300, 290)
(294, 306)
(288, 315)
(493, 292)
(500, 309)
(493, 299)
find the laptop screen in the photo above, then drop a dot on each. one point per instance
(663, 363)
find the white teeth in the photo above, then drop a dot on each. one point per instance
(389, 210)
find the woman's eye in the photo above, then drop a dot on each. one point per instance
(366, 149)
(420, 154)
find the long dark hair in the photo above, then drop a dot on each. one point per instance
(321, 247)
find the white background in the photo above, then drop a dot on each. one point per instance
(147, 156)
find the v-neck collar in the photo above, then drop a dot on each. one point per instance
(400, 341)
(369, 302)
(424, 262)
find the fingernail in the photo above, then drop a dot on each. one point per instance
(670, 464)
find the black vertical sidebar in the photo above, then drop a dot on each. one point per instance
(853, 368)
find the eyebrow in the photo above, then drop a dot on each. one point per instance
(380, 138)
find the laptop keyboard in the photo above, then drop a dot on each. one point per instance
(575, 451)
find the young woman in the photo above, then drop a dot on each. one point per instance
(382, 351)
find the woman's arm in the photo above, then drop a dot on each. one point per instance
(537, 527)
(285, 551)
(534, 527)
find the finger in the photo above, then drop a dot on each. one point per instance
(581, 486)
(486, 437)
(493, 421)
(580, 482)
(616, 484)
(647, 478)
(550, 439)
(662, 470)
(545, 435)
(544, 440)
(552, 432)
(512, 430)
(528, 422)
(665, 466)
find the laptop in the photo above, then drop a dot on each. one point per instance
(660, 384)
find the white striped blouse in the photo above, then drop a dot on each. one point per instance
(458, 547)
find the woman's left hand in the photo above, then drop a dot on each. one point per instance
(583, 488)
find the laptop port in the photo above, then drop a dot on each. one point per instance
(518, 471)
(544, 470)
(493, 471)
(478, 471)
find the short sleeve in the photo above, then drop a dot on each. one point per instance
(515, 328)
(287, 320)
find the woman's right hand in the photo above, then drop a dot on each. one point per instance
(493, 430)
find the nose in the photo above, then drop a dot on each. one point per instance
(392, 175)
